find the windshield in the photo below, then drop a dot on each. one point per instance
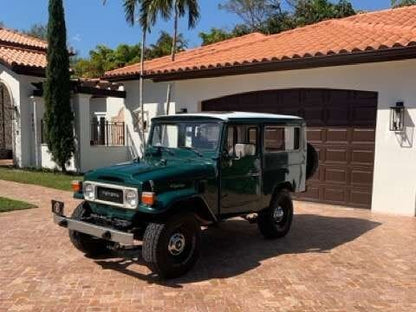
(198, 136)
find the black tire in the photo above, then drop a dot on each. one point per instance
(312, 161)
(171, 249)
(87, 244)
(275, 221)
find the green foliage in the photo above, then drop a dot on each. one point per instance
(267, 16)
(151, 9)
(103, 59)
(254, 13)
(163, 46)
(58, 113)
(7, 204)
(313, 11)
(46, 178)
(214, 35)
(39, 31)
(401, 3)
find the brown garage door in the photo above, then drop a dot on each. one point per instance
(341, 126)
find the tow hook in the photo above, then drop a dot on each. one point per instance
(251, 218)
(106, 235)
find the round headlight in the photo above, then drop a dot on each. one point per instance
(89, 191)
(131, 198)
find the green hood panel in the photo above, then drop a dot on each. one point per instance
(162, 170)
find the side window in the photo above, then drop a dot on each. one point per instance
(242, 136)
(278, 139)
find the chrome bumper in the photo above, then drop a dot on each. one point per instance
(93, 230)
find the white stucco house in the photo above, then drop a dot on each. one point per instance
(343, 76)
(100, 131)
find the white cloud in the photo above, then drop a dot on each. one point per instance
(77, 38)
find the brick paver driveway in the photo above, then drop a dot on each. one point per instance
(334, 259)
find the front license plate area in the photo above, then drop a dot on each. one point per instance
(110, 195)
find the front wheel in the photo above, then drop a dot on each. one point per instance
(275, 221)
(87, 244)
(171, 248)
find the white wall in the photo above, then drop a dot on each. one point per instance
(394, 188)
(92, 157)
(154, 98)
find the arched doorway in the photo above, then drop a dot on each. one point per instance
(6, 123)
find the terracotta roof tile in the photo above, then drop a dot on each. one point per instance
(17, 49)
(386, 29)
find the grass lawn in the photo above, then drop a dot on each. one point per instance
(49, 179)
(10, 205)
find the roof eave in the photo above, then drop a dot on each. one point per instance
(360, 57)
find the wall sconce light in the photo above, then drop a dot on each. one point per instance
(397, 117)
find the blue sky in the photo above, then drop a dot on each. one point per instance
(90, 23)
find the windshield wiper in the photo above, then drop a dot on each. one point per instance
(193, 149)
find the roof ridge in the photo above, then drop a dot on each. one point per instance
(367, 25)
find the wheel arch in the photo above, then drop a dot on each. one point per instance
(194, 204)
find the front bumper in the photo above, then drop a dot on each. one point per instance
(88, 228)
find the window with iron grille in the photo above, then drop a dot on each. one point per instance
(107, 133)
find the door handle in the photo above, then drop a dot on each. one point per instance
(254, 174)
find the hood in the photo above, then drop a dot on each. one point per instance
(155, 169)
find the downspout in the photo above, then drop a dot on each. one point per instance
(35, 130)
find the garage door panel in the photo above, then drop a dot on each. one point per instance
(337, 135)
(314, 116)
(335, 195)
(341, 127)
(361, 197)
(361, 156)
(336, 155)
(312, 193)
(361, 176)
(363, 135)
(335, 176)
(315, 135)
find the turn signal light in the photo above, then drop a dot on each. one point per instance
(76, 186)
(148, 198)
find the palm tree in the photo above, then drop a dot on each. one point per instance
(151, 10)
(131, 8)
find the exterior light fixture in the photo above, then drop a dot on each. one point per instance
(397, 117)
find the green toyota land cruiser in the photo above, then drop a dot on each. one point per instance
(197, 170)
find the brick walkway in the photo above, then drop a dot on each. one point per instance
(334, 259)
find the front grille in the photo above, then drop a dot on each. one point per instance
(110, 195)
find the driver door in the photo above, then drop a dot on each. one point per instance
(241, 170)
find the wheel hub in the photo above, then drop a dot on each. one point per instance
(278, 214)
(176, 244)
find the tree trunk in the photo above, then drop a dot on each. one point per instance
(173, 54)
(141, 85)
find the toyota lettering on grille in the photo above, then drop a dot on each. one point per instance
(110, 195)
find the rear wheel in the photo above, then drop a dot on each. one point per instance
(171, 248)
(275, 221)
(89, 245)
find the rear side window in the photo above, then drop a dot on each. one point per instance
(277, 139)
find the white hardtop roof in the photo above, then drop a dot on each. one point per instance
(235, 115)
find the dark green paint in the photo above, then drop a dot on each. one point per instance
(226, 184)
